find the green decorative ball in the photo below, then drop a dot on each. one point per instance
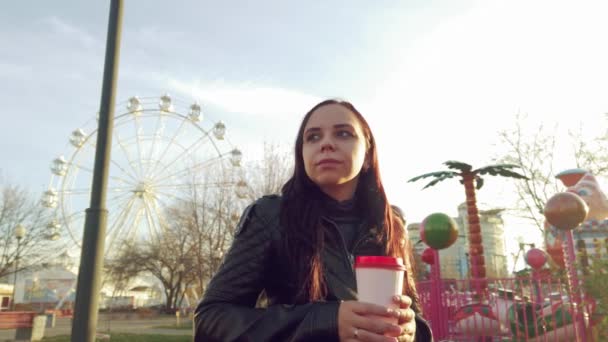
(438, 231)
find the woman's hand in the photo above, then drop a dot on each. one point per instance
(407, 320)
(358, 321)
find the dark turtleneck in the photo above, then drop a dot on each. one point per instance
(345, 216)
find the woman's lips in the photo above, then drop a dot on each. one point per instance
(326, 162)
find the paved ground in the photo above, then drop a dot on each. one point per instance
(63, 326)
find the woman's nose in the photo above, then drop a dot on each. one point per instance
(327, 145)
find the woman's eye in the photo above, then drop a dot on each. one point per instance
(344, 134)
(584, 192)
(313, 137)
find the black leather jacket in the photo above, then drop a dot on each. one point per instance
(253, 264)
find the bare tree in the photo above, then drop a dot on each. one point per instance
(166, 257)
(534, 154)
(534, 148)
(267, 175)
(590, 153)
(18, 207)
(210, 218)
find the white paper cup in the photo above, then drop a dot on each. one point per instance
(379, 278)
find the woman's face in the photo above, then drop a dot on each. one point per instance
(334, 150)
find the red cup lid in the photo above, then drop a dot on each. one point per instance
(377, 261)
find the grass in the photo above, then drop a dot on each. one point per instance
(183, 326)
(122, 337)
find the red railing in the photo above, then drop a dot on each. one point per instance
(536, 308)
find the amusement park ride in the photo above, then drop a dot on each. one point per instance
(535, 307)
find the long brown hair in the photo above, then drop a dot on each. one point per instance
(301, 216)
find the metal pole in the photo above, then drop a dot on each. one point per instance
(574, 287)
(15, 278)
(437, 321)
(84, 324)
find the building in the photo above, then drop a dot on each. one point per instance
(141, 291)
(454, 260)
(6, 294)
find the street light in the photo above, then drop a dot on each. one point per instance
(241, 189)
(19, 234)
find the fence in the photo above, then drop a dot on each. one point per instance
(536, 308)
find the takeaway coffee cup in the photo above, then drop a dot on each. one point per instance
(379, 278)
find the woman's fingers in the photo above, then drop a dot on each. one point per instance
(369, 318)
(406, 315)
(403, 301)
(364, 322)
(376, 325)
(368, 336)
(363, 308)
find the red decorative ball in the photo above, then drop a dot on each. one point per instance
(566, 210)
(536, 258)
(438, 231)
(428, 256)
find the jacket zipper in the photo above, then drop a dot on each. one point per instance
(364, 238)
(350, 259)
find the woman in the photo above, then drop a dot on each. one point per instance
(298, 249)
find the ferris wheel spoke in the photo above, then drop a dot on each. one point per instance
(164, 203)
(160, 215)
(74, 192)
(158, 132)
(118, 197)
(118, 201)
(138, 133)
(122, 180)
(184, 152)
(117, 212)
(198, 185)
(126, 153)
(192, 169)
(169, 144)
(167, 194)
(117, 204)
(93, 146)
(121, 189)
(74, 214)
(123, 171)
(91, 142)
(119, 179)
(119, 223)
(132, 234)
(81, 167)
(87, 191)
(152, 225)
(69, 219)
(174, 191)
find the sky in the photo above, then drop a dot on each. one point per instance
(436, 79)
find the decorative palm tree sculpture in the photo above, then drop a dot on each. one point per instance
(472, 180)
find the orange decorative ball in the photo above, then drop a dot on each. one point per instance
(566, 210)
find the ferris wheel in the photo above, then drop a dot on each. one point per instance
(160, 150)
